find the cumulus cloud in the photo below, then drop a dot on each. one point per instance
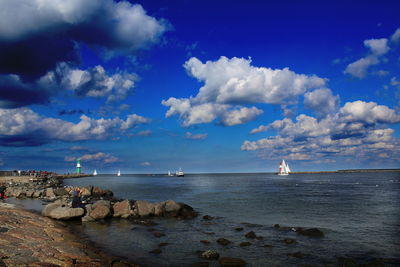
(145, 164)
(24, 127)
(377, 49)
(259, 129)
(96, 157)
(321, 101)
(358, 128)
(231, 83)
(37, 35)
(92, 82)
(189, 135)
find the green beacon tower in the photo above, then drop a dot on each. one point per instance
(78, 166)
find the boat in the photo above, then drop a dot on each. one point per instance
(119, 173)
(283, 168)
(94, 173)
(180, 173)
(170, 174)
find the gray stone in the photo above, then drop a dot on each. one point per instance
(122, 209)
(172, 206)
(144, 208)
(49, 208)
(65, 213)
(100, 212)
(60, 191)
(102, 203)
(50, 193)
(159, 209)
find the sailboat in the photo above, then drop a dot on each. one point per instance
(94, 173)
(283, 168)
(170, 174)
(119, 173)
(180, 173)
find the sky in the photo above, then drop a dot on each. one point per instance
(206, 86)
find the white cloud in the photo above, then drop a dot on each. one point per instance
(259, 129)
(231, 83)
(321, 101)
(25, 127)
(189, 135)
(145, 164)
(360, 67)
(396, 36)
(378, 48)
(356, 129)
(98, 157)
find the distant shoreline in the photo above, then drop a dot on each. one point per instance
(351, 171)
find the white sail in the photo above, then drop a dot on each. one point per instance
(95, 173)
(119, 173)
(283, 168)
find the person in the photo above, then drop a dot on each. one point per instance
(2, 192)
(76, 199)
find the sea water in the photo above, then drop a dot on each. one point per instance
(358, 212)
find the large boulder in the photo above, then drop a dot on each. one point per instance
(99, 192)
(100, 212)
(86, 191)
(144, 208)
(102, 203)
(49, 208)
(50, 193)
(38, 193)
(172, 206)
(122, 209)
(159, 209)
(66, 213)
(60, 191)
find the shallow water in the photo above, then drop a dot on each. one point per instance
(358, 212)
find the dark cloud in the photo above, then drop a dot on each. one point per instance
(15, 93)
(38, 37)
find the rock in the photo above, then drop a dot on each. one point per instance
(239, 229)
(206, 242)
(223, 241)
(158, 234)
(159, 209)
(65, 213)
(290, 241)
(50, 207)
(144, 208)
(100, 211)
(163, 244)
(144, 222)
(29, 193)
(86, 191)
(172, 206)
(156, 251)
(297, 254)
(310, 232)
(245, 244)
(50, 193)
(210, 254)
(102, 203)
(231, 262)
(122, 209)
(251, 234)
(187, 212)
(38, 193)
(87, 218)
(60, 191)
(207, 217)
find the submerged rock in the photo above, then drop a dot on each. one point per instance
(245, 244)
(251, 235)
(290, 241)
(231, 262)
(297, 254)
(223, 241)
(310, 232)
(210, 254)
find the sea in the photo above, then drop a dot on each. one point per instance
(359, 214)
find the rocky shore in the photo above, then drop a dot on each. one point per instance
(28, 239)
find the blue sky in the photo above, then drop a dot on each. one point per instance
(209, 86)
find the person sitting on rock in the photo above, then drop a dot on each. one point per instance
(76, 199)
